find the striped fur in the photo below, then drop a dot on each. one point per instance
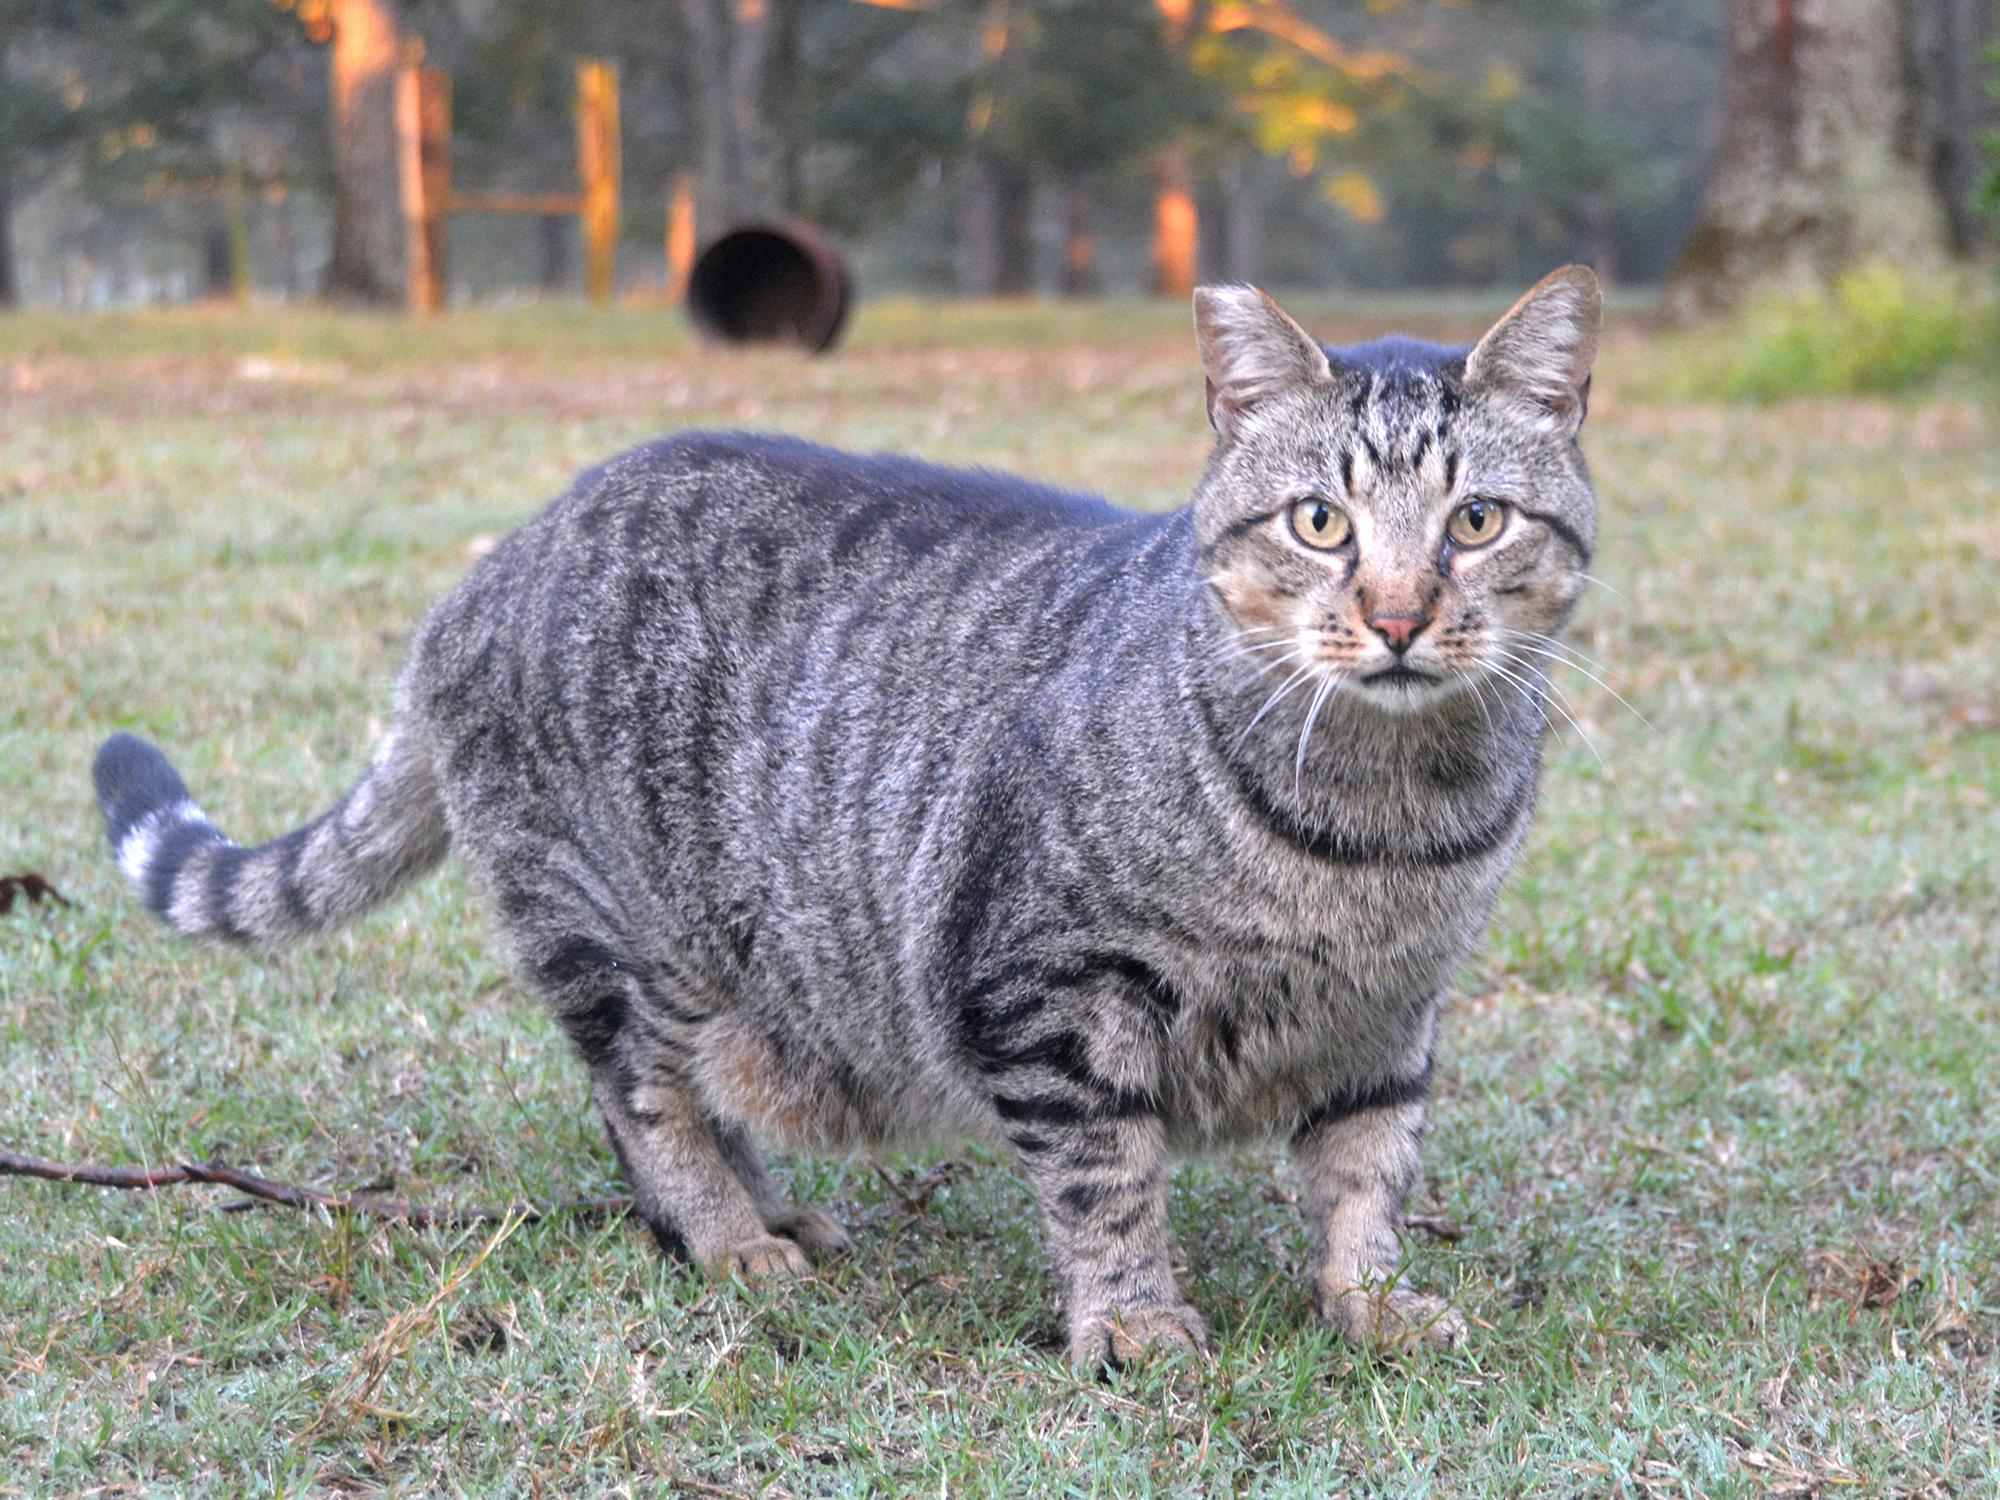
(836, 802)
(383, 834)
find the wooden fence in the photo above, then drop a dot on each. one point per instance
(423, 126)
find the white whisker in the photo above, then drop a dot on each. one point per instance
(1578, 572)
(1305, 734)
(1476, 682)
(1555, 643)
(1550, 695)
(1577, 666)
(1272, 702)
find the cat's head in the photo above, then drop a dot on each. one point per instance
(1402, 516)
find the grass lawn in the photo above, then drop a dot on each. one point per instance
(1716, 1109)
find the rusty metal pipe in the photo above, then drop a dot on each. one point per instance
(770, 283)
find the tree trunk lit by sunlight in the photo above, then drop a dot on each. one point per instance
(367, 223)
(1176, 223)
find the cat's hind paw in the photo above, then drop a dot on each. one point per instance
(812, 1231)
(765, 1258)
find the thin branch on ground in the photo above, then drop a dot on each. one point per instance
(264, 1190)
(31, 888)
(917, 1196)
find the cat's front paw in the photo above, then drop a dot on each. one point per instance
(1120, 1335)
(1390, 1317)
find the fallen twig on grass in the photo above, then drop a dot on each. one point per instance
(264, 1190)
(917, 1196)
(31, 888)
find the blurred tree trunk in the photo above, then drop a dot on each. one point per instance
(218, 260)
(285, 240)
(994, 255)
(996, 244)
(1950, 40)
(1014, 198)
(729, 40)
(10, 282)
(1820, 166)
(1176, 222)
(552, 252)
(1079, 273)
(1595, 206)
(367, 207)
(785, 109)
(1242, 221)
(10, 286)
(975, 256)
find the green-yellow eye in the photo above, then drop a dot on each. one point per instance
(1321, 523)
(1476, 522)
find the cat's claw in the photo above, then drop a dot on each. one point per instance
(1122, 1335)
(814, 1232)
(1391, 1318)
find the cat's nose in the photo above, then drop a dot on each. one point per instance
(1398, 630)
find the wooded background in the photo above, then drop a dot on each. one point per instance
(178, 149)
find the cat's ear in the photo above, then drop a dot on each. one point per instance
(1540, 353)
(1251, 350)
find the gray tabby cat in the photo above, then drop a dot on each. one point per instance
(836, 802)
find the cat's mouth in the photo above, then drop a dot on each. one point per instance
(1401, 676)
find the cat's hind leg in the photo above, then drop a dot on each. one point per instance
(686, 1187)
(815, 1232)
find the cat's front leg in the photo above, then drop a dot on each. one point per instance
(1357, 1157)
(1102, 1183)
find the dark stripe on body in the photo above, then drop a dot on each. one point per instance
(291, 850)
(1048, 1109)
(1355, 1099)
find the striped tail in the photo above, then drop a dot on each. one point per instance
(382, 835)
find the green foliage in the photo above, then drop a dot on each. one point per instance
(1879, 330)
(1989, 196)
(132, 91)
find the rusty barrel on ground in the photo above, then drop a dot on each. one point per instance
(770, 283)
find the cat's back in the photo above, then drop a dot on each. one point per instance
(712, 536)
(730, 503)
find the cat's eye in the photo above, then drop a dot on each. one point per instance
(1322, 524)
(1476, 522)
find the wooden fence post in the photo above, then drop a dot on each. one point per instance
(597, 166)
(423, 134)
(680, 235)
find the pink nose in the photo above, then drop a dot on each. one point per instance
(1398, 630)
